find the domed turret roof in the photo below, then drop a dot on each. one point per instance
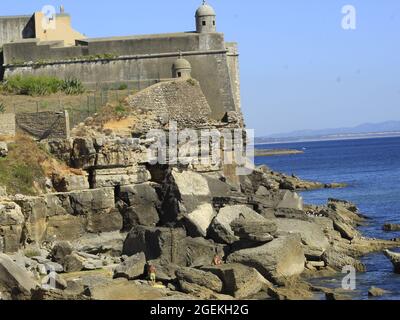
(182, 64)
(205, 10)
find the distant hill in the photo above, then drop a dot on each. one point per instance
(365, 130)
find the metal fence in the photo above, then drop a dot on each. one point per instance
(79, 107)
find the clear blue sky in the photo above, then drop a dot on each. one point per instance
(299, 68)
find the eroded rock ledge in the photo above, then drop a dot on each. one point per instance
(92, 235)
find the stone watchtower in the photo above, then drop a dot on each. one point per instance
(182, 69)
(205, 19)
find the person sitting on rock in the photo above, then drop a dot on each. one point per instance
(217, 261)
(152, 274)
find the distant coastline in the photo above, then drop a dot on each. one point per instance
(338, 137)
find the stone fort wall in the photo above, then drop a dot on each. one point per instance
(139, 61)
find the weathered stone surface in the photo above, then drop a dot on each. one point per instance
(87, 201)
(140, 205)
(35, 211)
(156, 243)
(170, 246)
(65, 227)
(66, 183)
(337, 260)
(394, 257)
(120, 176)
(200, 219)
(193, 189)
(312, 237)
(201, 292)
(15, 280)
(199, 277)
(73, 263)
(132, 268)
(11, 225)
(220, 229)
(107, 242)
(280, 258)
(254, 230)
(104, 221)
(10, 214)
(291, 200)
(239, 280)
(83, 153)
(61, 250)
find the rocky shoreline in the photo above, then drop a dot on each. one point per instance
(112, 216)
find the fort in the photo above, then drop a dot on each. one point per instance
(36, 45)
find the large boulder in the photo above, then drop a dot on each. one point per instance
(337, 260)
(61, 250)
(133, 267)
(394, 257)
(239, 280)
(15, 280)
(35, 211)
(193, 189)
(89, 201)
(221, 229)
(278, 259)
(156, 243)
(139, 205)
(254, 230)
(199, 220)
(312, 237)
(169, 245)
(199, 277)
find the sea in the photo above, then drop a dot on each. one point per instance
(371, 169)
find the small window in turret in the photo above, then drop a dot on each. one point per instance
(214, 22)
(204, 23)
(179, 74)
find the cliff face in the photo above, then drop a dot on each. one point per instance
(191, 222)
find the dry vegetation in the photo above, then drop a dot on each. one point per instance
(25, 169)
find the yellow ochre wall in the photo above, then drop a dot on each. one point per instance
(62, 31)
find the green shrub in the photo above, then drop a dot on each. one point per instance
(2, 108)
(72, 86)
(123, 86)
(120, 108)
(41, 85)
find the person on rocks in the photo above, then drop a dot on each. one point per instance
(152, 274)
(217, 261)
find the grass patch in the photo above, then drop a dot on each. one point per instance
(123, 86)
(21, 171)
(40, 85)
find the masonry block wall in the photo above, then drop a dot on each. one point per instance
(7, 124)
(44, 125)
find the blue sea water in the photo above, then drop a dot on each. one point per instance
(371, 168)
